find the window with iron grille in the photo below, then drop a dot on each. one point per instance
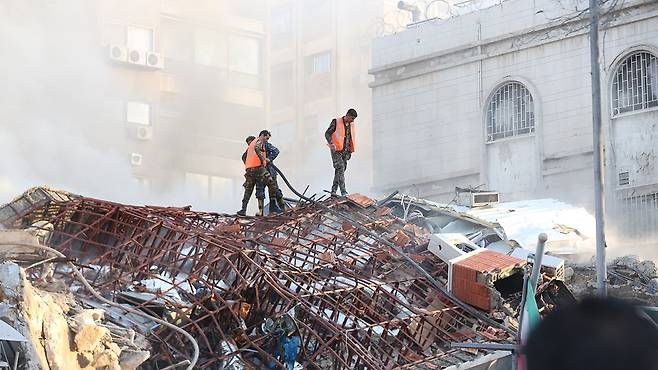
(511, 112)
(635, 85)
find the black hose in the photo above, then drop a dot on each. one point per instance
(413, 263)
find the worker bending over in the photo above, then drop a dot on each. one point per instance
(256, 170)
(340, 137)
(271, 152)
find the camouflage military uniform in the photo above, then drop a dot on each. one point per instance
(272, 153)
(258, 174)
(339, 159)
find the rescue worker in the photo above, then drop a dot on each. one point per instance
(256, 170)
(340, 138)
(271, 153)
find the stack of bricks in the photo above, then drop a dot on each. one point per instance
(471, 275)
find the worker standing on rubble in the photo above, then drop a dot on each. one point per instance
(256, 170)
(271, 152)
(340, 138)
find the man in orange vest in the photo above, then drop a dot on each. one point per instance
(256, 171)
(340, 137)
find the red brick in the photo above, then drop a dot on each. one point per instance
(483, 290)
(361, 200)
(484, 303)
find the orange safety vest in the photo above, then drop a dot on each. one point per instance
(338, 137)
(252, 158)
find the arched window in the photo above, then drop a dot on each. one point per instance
(511, 112)
(635, 85)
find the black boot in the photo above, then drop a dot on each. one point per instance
(243, 211)
(274, 208)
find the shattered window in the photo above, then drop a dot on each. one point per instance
(511, 112)
(635, 85)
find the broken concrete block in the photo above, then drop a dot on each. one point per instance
(114, 348)
(89, 317)
(647, 268)
(630, 261)
(57, 339)
(106, 359)
(85, 359)
(89, 337)
(130, 360)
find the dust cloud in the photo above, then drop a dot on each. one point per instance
(63, 103)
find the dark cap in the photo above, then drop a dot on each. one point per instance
(265, 132)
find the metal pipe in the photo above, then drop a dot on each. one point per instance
(523, 299)
(413, 9)
(599, 201)
(536, 264)
(491, 346)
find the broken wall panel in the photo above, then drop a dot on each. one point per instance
(356, 304)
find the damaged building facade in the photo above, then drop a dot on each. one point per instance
(500, 98)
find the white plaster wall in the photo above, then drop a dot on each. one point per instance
(441, 35)
(426, 127)
(635, 148)
(429, 129)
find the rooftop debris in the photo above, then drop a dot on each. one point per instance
(570, 229)
(353, 302)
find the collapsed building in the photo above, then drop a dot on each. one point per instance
(359, 283)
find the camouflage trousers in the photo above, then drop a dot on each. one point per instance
(255, 175)
(260, 186)
(339, 160)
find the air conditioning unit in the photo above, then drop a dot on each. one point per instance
(135, 159)
(118, 53)
(480, 199)
(144, 133)
(154, 60)
(137, 57)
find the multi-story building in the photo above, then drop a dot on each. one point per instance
(501, 99)
(319, 54)
(190, 79)
(114, 90)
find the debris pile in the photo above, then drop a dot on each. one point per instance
(62, 334)
(308, 280)
(629, 278)
(345, 283)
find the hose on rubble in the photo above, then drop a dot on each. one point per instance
(436, 284)
(195, 346)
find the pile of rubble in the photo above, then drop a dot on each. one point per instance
(345, 283)
(629, 278)
(59, 333)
